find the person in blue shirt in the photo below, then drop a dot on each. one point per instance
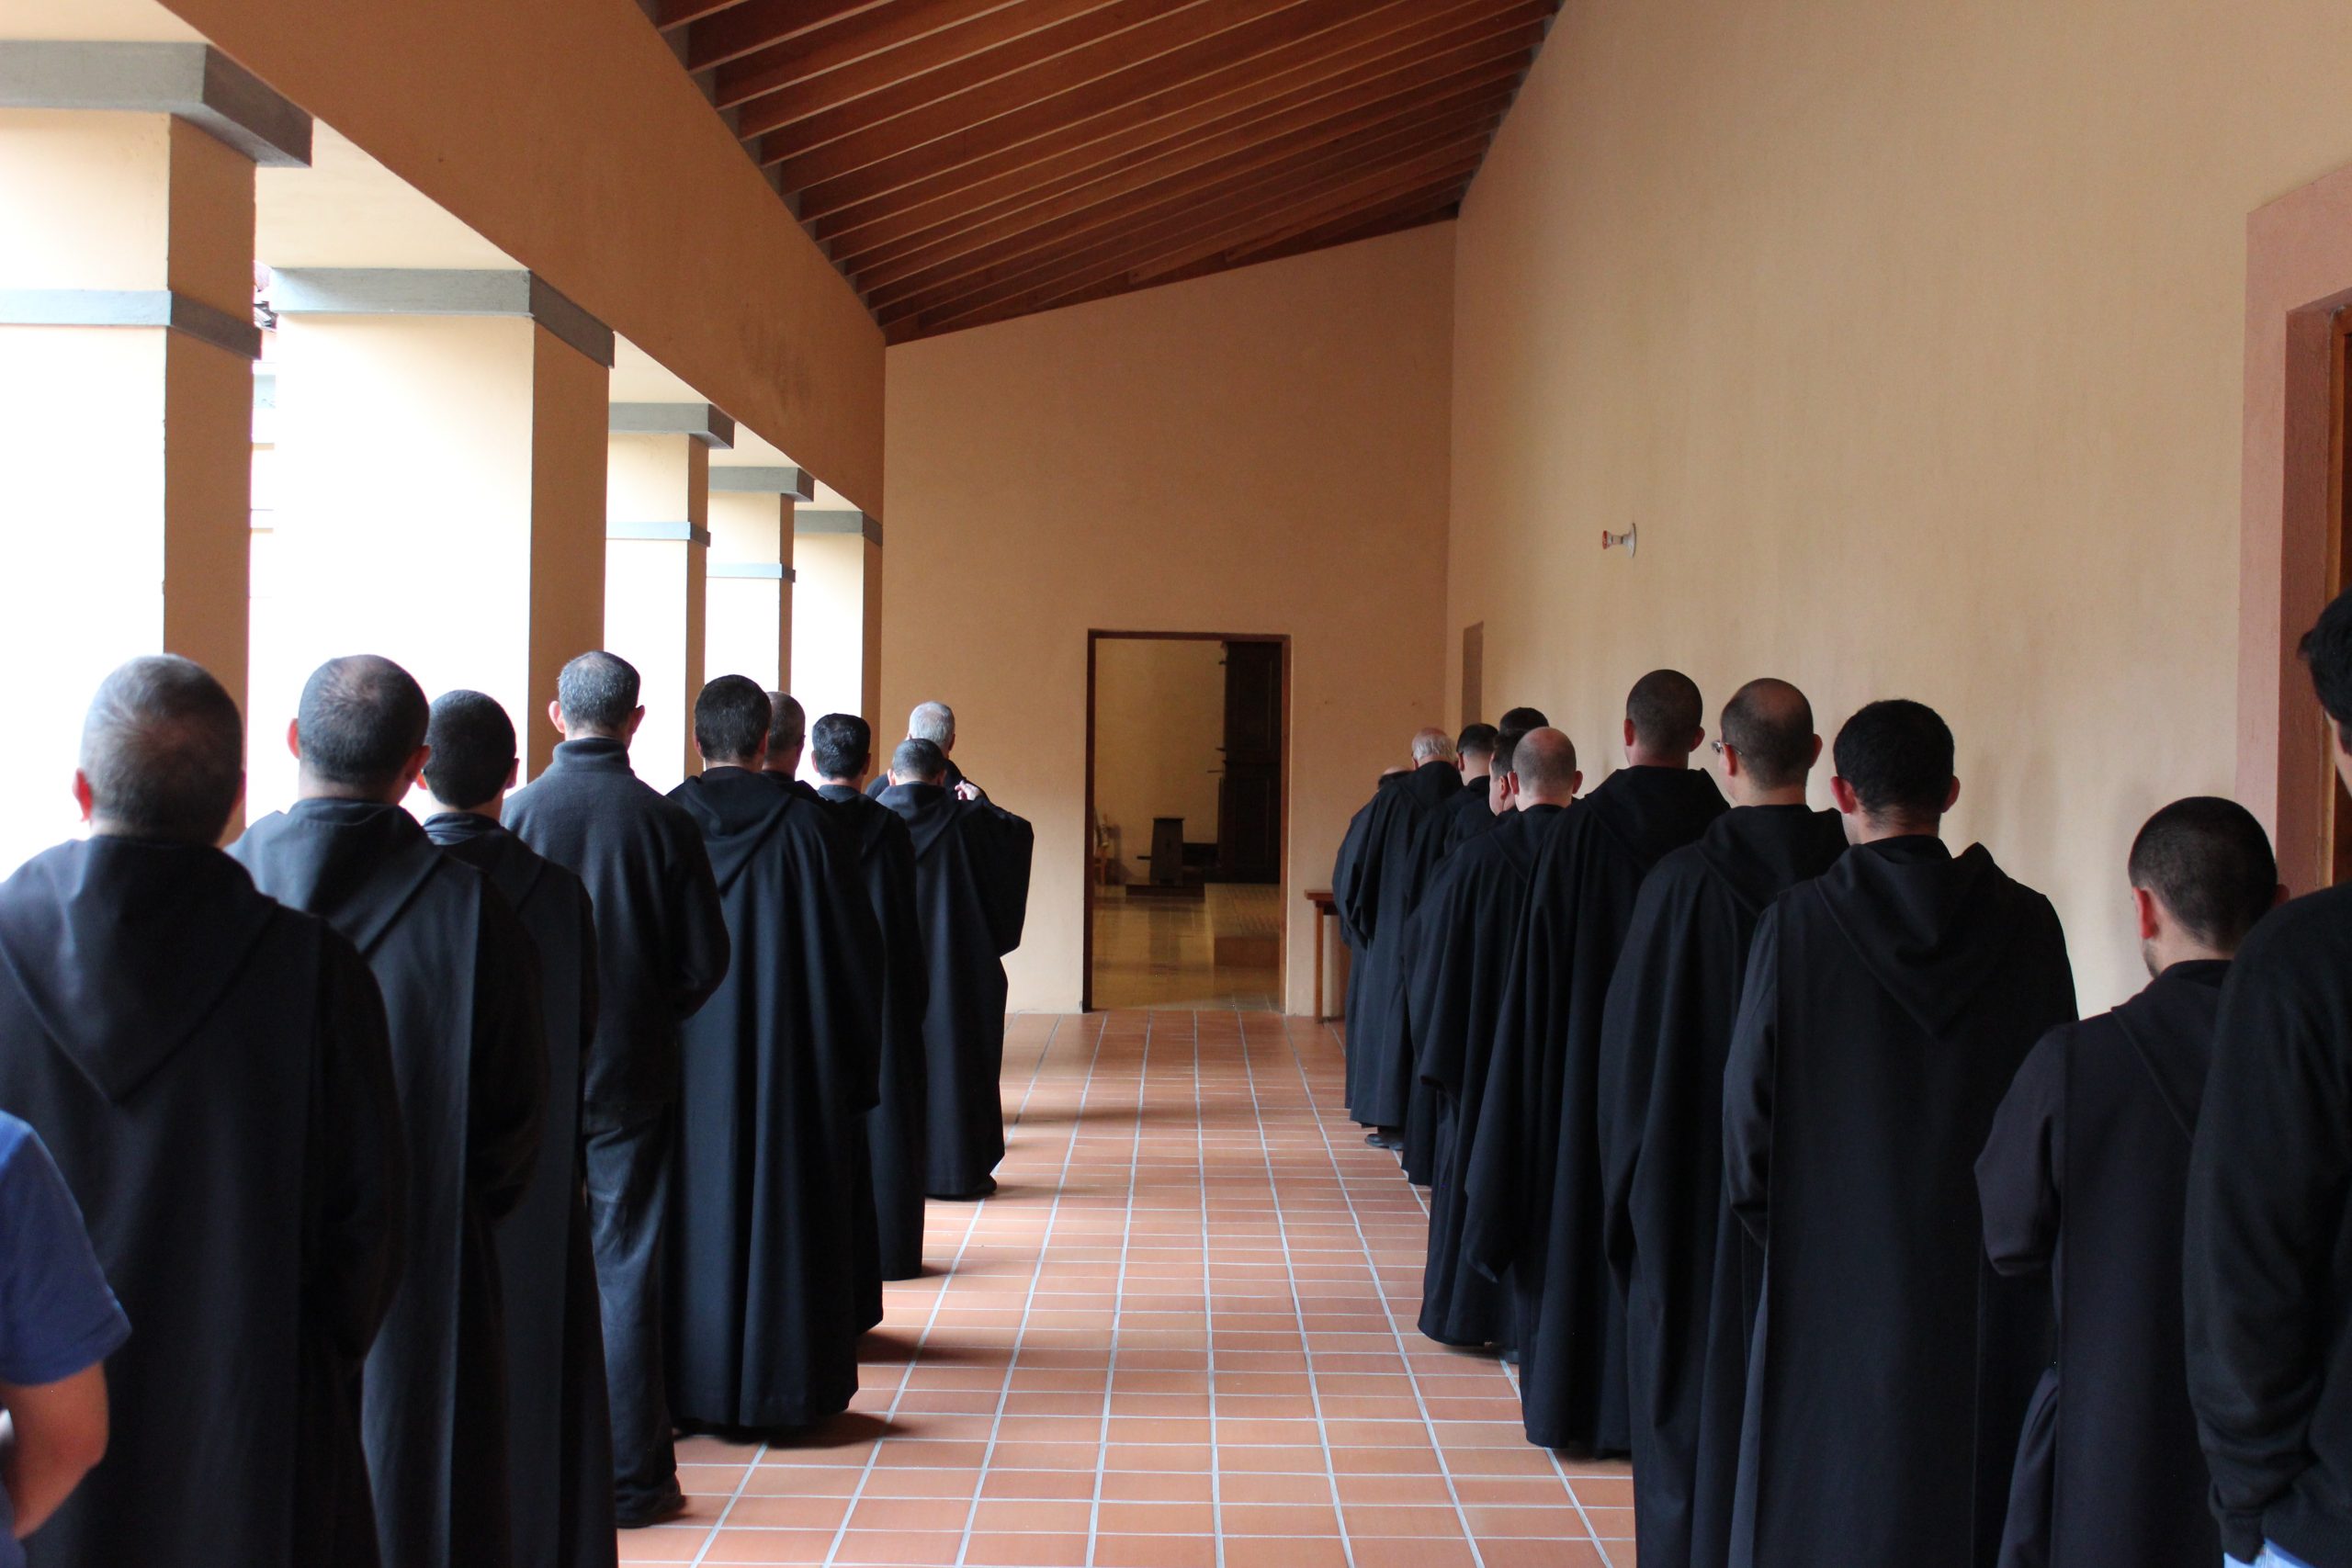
(59, 1322)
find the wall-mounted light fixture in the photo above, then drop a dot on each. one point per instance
(1629, 539)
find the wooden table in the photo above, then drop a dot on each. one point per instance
(1324, 904)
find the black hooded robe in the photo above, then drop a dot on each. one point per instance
(1402, 844)
(894, 1128)
(559, 1429)
(2086, 1175)
(1534, 1182)
(210, 1072)
(777, 1070)
(462, 995)
(972, 893)
(1345, 866)
(1471, 812)
(1455, 997)
(1888, 1003)
(660, 950)
(1689, 1272)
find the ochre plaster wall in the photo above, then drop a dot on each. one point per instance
(565, 134)
(1911, 337)
(1261, 451)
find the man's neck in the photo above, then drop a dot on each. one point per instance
(495, 808)
(1530, 802)
(1876, 829)
(857, 783)
(306, 788)
(581, 732)
(749, 764)
(1640, 757)
(1793, 795)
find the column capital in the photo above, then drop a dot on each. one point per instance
(804, 521)
(784, 481)
(194, 82)
(439, 291)
(705, 421)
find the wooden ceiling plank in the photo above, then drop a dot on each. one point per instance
(669, 13)
(1361, 143)
(1382, 87)
(720, 32)
(1214, 34)
(737, 46)
(1121, 270)
(996, 46)
(943, 169)
(1437, 196)
(1309, 191)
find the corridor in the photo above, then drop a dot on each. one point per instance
(1181, 1336)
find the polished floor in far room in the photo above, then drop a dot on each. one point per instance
(1180, 1337)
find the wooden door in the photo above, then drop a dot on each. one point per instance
(1250, 795)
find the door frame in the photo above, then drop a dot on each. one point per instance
(1096, 636)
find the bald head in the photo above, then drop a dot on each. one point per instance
(1768, 742)
(1432, 746)
(1545, 763)
(360, 729)
(1664, 719)
(162, 753)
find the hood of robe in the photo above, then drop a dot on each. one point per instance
(1760, 852)
(1432, 783)
(1929, 926)
(343, 860)
(739, 812)
(863, 817)
(2151, 1022)
(928, 808)
(125, 947)
(512, 867)
(1652, 810)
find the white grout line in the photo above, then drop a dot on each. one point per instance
(1299, 1307)
(1119, 1287)
(1029, 1299)
(930, 1321)
(1208, 1301)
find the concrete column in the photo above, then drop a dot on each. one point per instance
(126, 342)
(749, 625)
(439, 466)
(657, 553)
(837, 617)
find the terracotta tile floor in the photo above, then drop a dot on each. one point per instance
(1180, 1337)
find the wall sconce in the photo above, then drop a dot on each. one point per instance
(1629, 539)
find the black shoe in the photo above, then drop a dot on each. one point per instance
(1510, 1358)
(660, 1512)
(1385, 1137)
(987, 1188)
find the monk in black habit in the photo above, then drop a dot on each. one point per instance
(1888, 1004)
(660, 950)
(2268, 1236)
(2087, 1176)
(558, 1426)
(1402, 841)
(841, 749)
(462, 995)
(1688, 1271)
(972, 895)
(934, 722)
(777, 1075)
(1471, 811)
(1343, 870)
(1471, 934)
(1532, 1181)
(210, 1071)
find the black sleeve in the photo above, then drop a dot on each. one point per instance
(2268, 1187)
(2017, 1175)
(1747, 1081)
(358, 1157)
(591, 996)
(699, 947)
(508, 1093)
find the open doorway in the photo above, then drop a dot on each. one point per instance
(1185, 748)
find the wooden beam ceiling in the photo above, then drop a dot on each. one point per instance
(970, 161)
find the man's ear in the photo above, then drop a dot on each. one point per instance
(514, 771)
(83, 795)
(635, 719)
(555, 716)
(294, 738)
(1843, 793)
(1629, 734)
(2143, 904)
(2279, 895)
(1813, 755)
(1576, 780)
(1698, 738)
(1952, 795)
(414, 770)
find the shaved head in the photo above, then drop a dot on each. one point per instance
(164, 752)
(1518, 721)
(1770, 724)
(1433, 746)
(1666, 712)
(361, 719)
(1544, 762)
